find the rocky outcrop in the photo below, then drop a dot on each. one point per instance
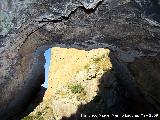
(128, 28)
(85, 83)
(74, 79)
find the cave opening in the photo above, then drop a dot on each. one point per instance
(38, 97)
(47, 55)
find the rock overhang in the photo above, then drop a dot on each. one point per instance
(116, 25)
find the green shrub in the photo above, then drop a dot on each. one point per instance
(28, 118)
(77, 88)
(97, 59)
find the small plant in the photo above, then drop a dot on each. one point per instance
(28, 118)
(39, 113)
(98, 59)
(39, 116)
(77, 88)
(87, 67)
(47, 107)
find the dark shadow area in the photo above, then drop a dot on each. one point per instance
(38, 95)
(118, 90)
(38, 98)
(118, 95)
(37, 90)
(153, 9)
(146, 72)
(29, 105)
(18, 111)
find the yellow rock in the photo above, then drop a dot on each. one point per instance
(65, 63)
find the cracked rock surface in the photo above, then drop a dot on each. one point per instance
(129, 28)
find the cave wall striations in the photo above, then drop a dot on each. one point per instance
(29, 27)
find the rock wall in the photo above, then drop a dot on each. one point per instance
(85, 83)
(128, 28)
(74, 78)
(146, 73)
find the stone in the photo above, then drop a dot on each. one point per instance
(66, 72)
(130, 29)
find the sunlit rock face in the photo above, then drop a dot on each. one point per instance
(75, 77)
(29, 27)
(83, 83)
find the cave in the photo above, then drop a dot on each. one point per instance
(128, 28)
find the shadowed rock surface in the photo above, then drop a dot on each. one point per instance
(129, 28)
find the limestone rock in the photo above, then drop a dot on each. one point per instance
(74, 79)
(129, 28)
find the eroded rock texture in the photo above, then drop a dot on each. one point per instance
(129, 28)
(75, 85)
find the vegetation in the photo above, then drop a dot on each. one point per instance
(103, 61)
(81, 88)
(28, 118)
(76, 88)
(98, 59)
(39, 115)
(86, 67)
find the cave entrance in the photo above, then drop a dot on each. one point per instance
(47, 55)
(38, 98)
